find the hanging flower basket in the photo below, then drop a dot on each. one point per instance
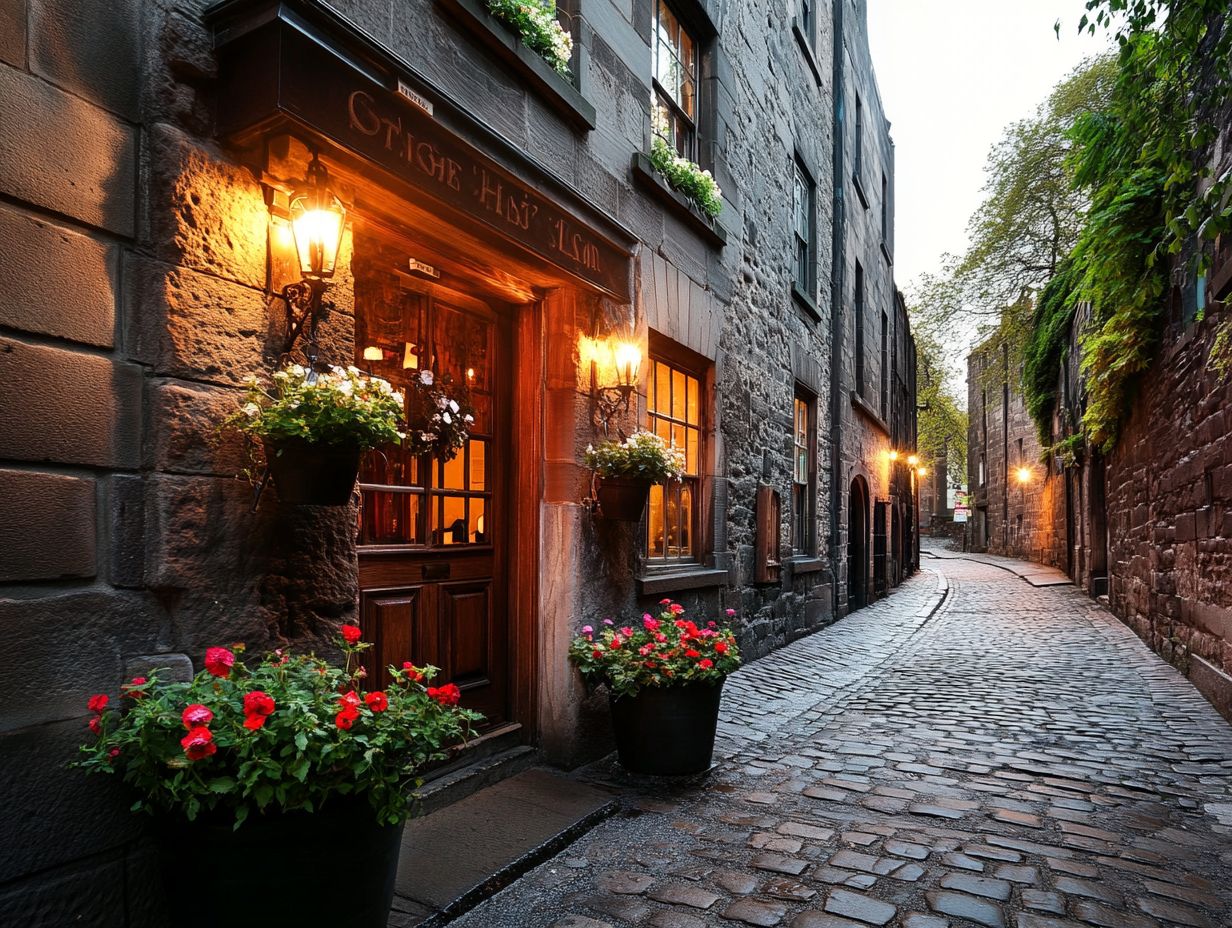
(623, 498)
(311, 473)
(439, 416)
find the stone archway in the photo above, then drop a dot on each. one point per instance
(857, 545)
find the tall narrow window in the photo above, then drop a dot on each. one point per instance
(859, 162)
(859, 322)
(804, 474)
(807, 24)
(675, 82)
(803, 193)
(885, 211)
(885, 365)
(674, 408)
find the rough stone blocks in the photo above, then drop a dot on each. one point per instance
(47, 526)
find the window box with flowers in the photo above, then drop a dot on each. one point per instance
(684, 187)
(528, 38)
(664, 678)
(258, 776)
(626, 469)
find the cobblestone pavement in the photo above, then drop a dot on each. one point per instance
(999, 755)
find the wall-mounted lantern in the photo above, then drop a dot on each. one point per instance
(913, 460)
(614, 368)
(318, 219)
(1024, 475)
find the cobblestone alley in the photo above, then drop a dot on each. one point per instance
(971, 751)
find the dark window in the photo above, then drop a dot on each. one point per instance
(859, 165)
(675, 82)
(803, 193)
(885, 364)
(859, 322)
(807, 24)
(885, 211)
(803, 473)
(675, 413)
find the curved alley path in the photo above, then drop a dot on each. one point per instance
(972, 750)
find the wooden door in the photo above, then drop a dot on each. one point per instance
(432, 532)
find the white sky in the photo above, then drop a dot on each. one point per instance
(952, 74)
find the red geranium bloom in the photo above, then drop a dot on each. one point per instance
(132, 688)
(346, 718)
(218, 662)
(720, 647)
(447, 695)
(692, 653)
(196, 716)
(676, 608)
(199, 743)
(616, 642)
(377, 701)
(349, 700)
(113, 753)
(254, 721)
(705, 663)
(351, 633)
(596, 654)
(412, 672)
(98, 702)
(258, 703)
(95, 725)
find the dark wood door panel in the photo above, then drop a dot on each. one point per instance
(401, 628)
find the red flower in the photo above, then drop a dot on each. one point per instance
(676, 608)
(196, 716)
(665, 602)
(412, 672)
(705, 663)
(346, 718)
(616, 643)
(198, 743)
(254, 721)
(218, 662)
(258, 703)
(351, 633)
(720, 647)
(447, 695)
(95, 725)
(349, 700)
(692, 653)
(113, 753)
(97, 703)
(596, 654)
(132, 689)
(377, 701)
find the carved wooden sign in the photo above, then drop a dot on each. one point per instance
(398, 132)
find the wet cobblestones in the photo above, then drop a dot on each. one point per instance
(1010, 757)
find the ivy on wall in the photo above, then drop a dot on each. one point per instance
(1045, 349)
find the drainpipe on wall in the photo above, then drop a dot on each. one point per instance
(837, 284)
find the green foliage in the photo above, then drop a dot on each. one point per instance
(1046, 348)
(290, 733)
(667, 651)
(942, 426)
(535, 21)
(440, 415)
(643, 455)
(685, 176)
(341, 407)
(1069, 449)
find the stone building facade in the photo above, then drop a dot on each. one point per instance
(504, 220)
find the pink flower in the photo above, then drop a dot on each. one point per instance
(650, 624)
(587, 630)
(196, 716)
(665, 602)
(676, 608)
(730, 613)
(608, 622)
(627, 632)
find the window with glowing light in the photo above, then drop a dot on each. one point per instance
(675, 82)
(675, 413)
(803, 473)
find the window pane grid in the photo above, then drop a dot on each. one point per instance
(673, 407)
(675, 81)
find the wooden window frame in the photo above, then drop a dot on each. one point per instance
(661, 95)
(804, 494)
(801, 177)
(858, 300)
(675, 355)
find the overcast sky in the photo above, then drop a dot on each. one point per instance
(952, 74)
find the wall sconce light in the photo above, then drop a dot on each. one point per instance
(614, 368)
(913, 460)
(318, 219)
(1024, 475)
(923, 471)
(373, 353)
(893, 455)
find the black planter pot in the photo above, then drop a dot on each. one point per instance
(312, 474)
(332, 867)
(623, 498)
(667, 731)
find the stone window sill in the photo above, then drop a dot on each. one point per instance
(687, 578)
(805, 302)
(806, 47)
(709, 229)
(807, 564)
(507, 45)
(861, 406)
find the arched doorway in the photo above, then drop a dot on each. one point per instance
(857, 546)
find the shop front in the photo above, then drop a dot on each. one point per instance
(465, 264)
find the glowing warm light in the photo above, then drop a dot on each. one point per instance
(410, 357)
(893, 455)
(317, 221)
(913, 460)
(470, 375)
(373, 353)
(628, 360)
(1024, 474)
(923, 471)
